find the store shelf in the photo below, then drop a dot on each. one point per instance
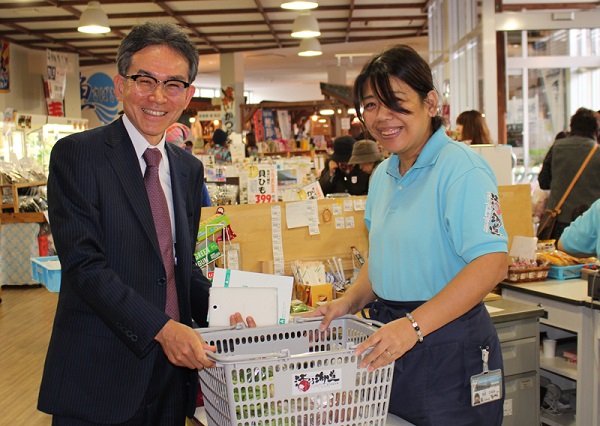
(22, 218)
(558, 365)
(13, 190)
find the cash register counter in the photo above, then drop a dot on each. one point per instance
(517, 326)
(568, 313)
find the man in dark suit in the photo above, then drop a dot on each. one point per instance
(118, 354)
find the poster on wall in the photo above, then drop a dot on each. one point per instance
(98, 101)
(257, 125)
(228, 105)
(270, 125)
(57, 65)
(4, 67)
(285, 124)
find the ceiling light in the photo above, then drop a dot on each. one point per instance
(310, 47)
(327, 112)
(299, 5)
(93, 20)
(305, 26)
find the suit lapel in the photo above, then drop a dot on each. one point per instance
(179, 178)
(125, 163)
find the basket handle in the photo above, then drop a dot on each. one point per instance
(221, 359)
(367, 321)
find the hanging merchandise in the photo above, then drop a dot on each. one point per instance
(214, 241)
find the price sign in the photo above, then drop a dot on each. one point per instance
(262, 184)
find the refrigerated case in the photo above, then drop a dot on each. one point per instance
(31, 137)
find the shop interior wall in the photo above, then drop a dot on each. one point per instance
(27, 68)
(252, 225)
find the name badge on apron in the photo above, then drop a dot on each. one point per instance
(487, 386)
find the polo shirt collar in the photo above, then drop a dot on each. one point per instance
(428, 156)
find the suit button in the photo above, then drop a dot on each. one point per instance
(134, 338)
(162, 281)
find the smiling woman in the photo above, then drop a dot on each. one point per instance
(432, 195)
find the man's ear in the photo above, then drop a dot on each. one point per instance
(119, 82)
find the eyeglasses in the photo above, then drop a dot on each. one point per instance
(147, 83)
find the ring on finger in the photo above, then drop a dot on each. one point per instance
(388, 352)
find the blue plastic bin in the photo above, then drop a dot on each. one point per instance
(565, 272)
(46, 270)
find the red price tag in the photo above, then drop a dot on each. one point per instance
(263, 198)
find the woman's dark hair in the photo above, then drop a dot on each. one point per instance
(157, 33)
(250, 139)
(474, 128)
(586, 123)
(405, 64)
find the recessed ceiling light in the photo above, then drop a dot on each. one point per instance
(299, 5)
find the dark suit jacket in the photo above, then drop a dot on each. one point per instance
(112, 296)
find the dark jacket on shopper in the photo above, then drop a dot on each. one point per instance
(356, 182)
(566, 157)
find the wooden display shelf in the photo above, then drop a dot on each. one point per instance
(14, 188)
(22, 218)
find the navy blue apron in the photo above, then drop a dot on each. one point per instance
(432, 381)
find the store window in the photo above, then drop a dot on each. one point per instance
(553, 92)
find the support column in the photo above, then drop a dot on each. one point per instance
(337, 75)
(232, 90)
(490, 70)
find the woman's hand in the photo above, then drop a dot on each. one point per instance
(389, 343)
(335, 308)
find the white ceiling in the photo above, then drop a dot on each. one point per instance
(259, 29)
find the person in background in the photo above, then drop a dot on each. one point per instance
(563, 160)
(251, 147)
(179, 134)
(582, 237)
(219, 149)
(431, 198)
(367, 155)
(338, 176)
(472, 129)
(122, 349)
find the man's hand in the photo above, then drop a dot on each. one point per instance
(183, 346)
(333, 166)
(237, 318)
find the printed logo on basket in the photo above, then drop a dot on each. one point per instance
(317, 382)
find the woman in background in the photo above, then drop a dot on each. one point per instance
(251, 147)
(472, 129)
(219, 149)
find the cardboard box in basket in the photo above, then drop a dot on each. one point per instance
(313, 294)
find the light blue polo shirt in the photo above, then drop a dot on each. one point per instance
(582, 235)
(425, 226)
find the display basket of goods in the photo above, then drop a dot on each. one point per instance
(294, 374)
(564, 266)
(46, 270)
(526, 270)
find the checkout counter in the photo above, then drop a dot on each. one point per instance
(572, 317)
(518, 330)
